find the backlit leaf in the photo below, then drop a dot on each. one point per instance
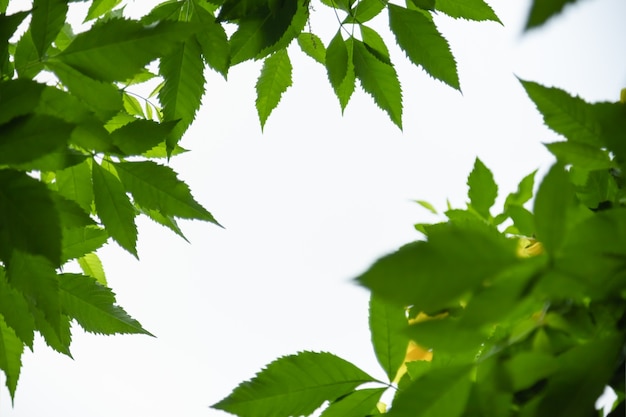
(524, 191)
(483, 190)
(100, 7)
(294, 385)
(340, 68)
(80, 241)
(312, 45)
(273, 81)
(18, 98)
(467, 9)
(15, 310)
(75, 184)
(375, 44)
(91, 266)
(356, 404)
(365, 10)
(11, 349)
(387, 324)
(213, 42)
(48, 19)
(424, 45)
(140, 136)
(581, 155)
(8, 26)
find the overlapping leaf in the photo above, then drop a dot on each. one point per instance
(340, 68)
(213, 41)
(541, 11)
(312, 45)
(356, 404)
(16, 312)
(274, 80)
(387, 324)
(11, 348)
(467, 9)
(48, 19)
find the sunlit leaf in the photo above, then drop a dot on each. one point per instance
(312, 45)
(80, 241)
(365, 10)
(213, 42)
(100, 7)
(91, 265)
(273, 81)
(581, 155)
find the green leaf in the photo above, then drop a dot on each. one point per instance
(47, 21)
(75, 184)
(340, 68)
(467, 9)
(91, 266)
(356, 404)
(427, 206)
(79, 241)
(447, 336)
(58, 340)
(554, 200)
(541, 11)
(527, 368)
(8, 26)
(581, 155)
(524, 191)
(27, 138)
(140, 136)
(117, 49)
(18, 98)
(273, 81)
(365, 10)
(15, 310)
(213, 42)
(11, 349)
(156, 187)
(570, 116)
(375, 44)
(294, 385)
(380, 80)
(114, 208)
(387, 324)
(93, 306)
(312, 45)
(432, 275)
(70, 213)
(440, 392)
(29, 221)
(424, 45)
(100, 7)
(181, 95)
(523, 220)
(483, 190)
(167, 221)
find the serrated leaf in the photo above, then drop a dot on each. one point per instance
(29, 221)
(93, 306)
(375, 44)
(356, 404)
(47, 21)
(181, 95)
(91, 265)
(423, 44)
(140, 136)
(340, 68)
(157, 187)
(483, 190)
(114, 208)
(477, 10)
(8, 26)
(27, 61)
(58, 340)
(11, 348)
(100, 7)
(167, 221)
(387, 325)
(294, 385)
(365, 10)
(312, 45)
(273, 81)
(541, 11)
(581, 155)
(117, 49)
(213, 42)
(132, 106)
(523, 220)
(75, 184)
(570, 116)
(380, 80)
(79, 241)
(15, 310)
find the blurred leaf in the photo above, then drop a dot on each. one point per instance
(48, 17)
(467, 9)
(541, 11)
(483, 190)
(100, 7)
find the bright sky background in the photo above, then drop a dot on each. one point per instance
(307, 206)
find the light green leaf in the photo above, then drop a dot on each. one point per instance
(156, 187)
(380, 80)
(365, 10)
(167, 221)
(91, 266)
(524, 191)
(340, 68)
(213, 42)
(93, 306)
(581, 155)
(273, 81)
(140, 136)
(75, 184)
(79, 241)
(375, 44)
(312, 45)
(570, 116)
(387, 325)
(424, 45)
(15, 310)
(11, 349)
(294, 385)
(477, 10)
(47, 21)
(117, 49)
(114, 208)
(356, 404)
(29, 221)
(427, 206)
(100, 7)
(541, 11)
(483, 190)
(181, 95)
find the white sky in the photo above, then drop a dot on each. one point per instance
(308, 205)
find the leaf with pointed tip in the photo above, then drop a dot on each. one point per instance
(312, 45)
(541, 11)
(380, 80)
(167, 221)
(365, 10)
(181, 95)
(11, 349)
(47, 21)
(294, 385)
(273, 81)
(8, 26)
(75, 184)
(387, 325)
(477, 10)
(58, 340)
(27, 62)
(114, 208)
(356, 404)
(213, 41)
(581, 155)
(483, 190)
(79, 241)
(100, 7)
(117, 49)
(140, 135)
(93, 306)
(340, 68)
(424, 45)
(14, 308)
(29, 221)
(157, 187)
(375, 44)
(91, 266)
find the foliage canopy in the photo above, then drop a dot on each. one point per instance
(490, 314)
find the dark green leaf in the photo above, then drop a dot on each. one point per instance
(8, 26)
(47, 21)
(93, 306)
(273, 81)
(340, 68)
(380, 80)
(447, 335)
(312, 45)
(387, 325)
(27, 62)
(140, 136)
(467, 9)
(213, 42)
(612, 120)
(29, 221)
(356, 404)
(483, 190)
(18, 98)
(114, 208)
(541, 11)
(424, 4)
(424, 45)
(294, 385)
(11, 349)
(16, 312)
(527, 368)
(75, 184)
(58, 340)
